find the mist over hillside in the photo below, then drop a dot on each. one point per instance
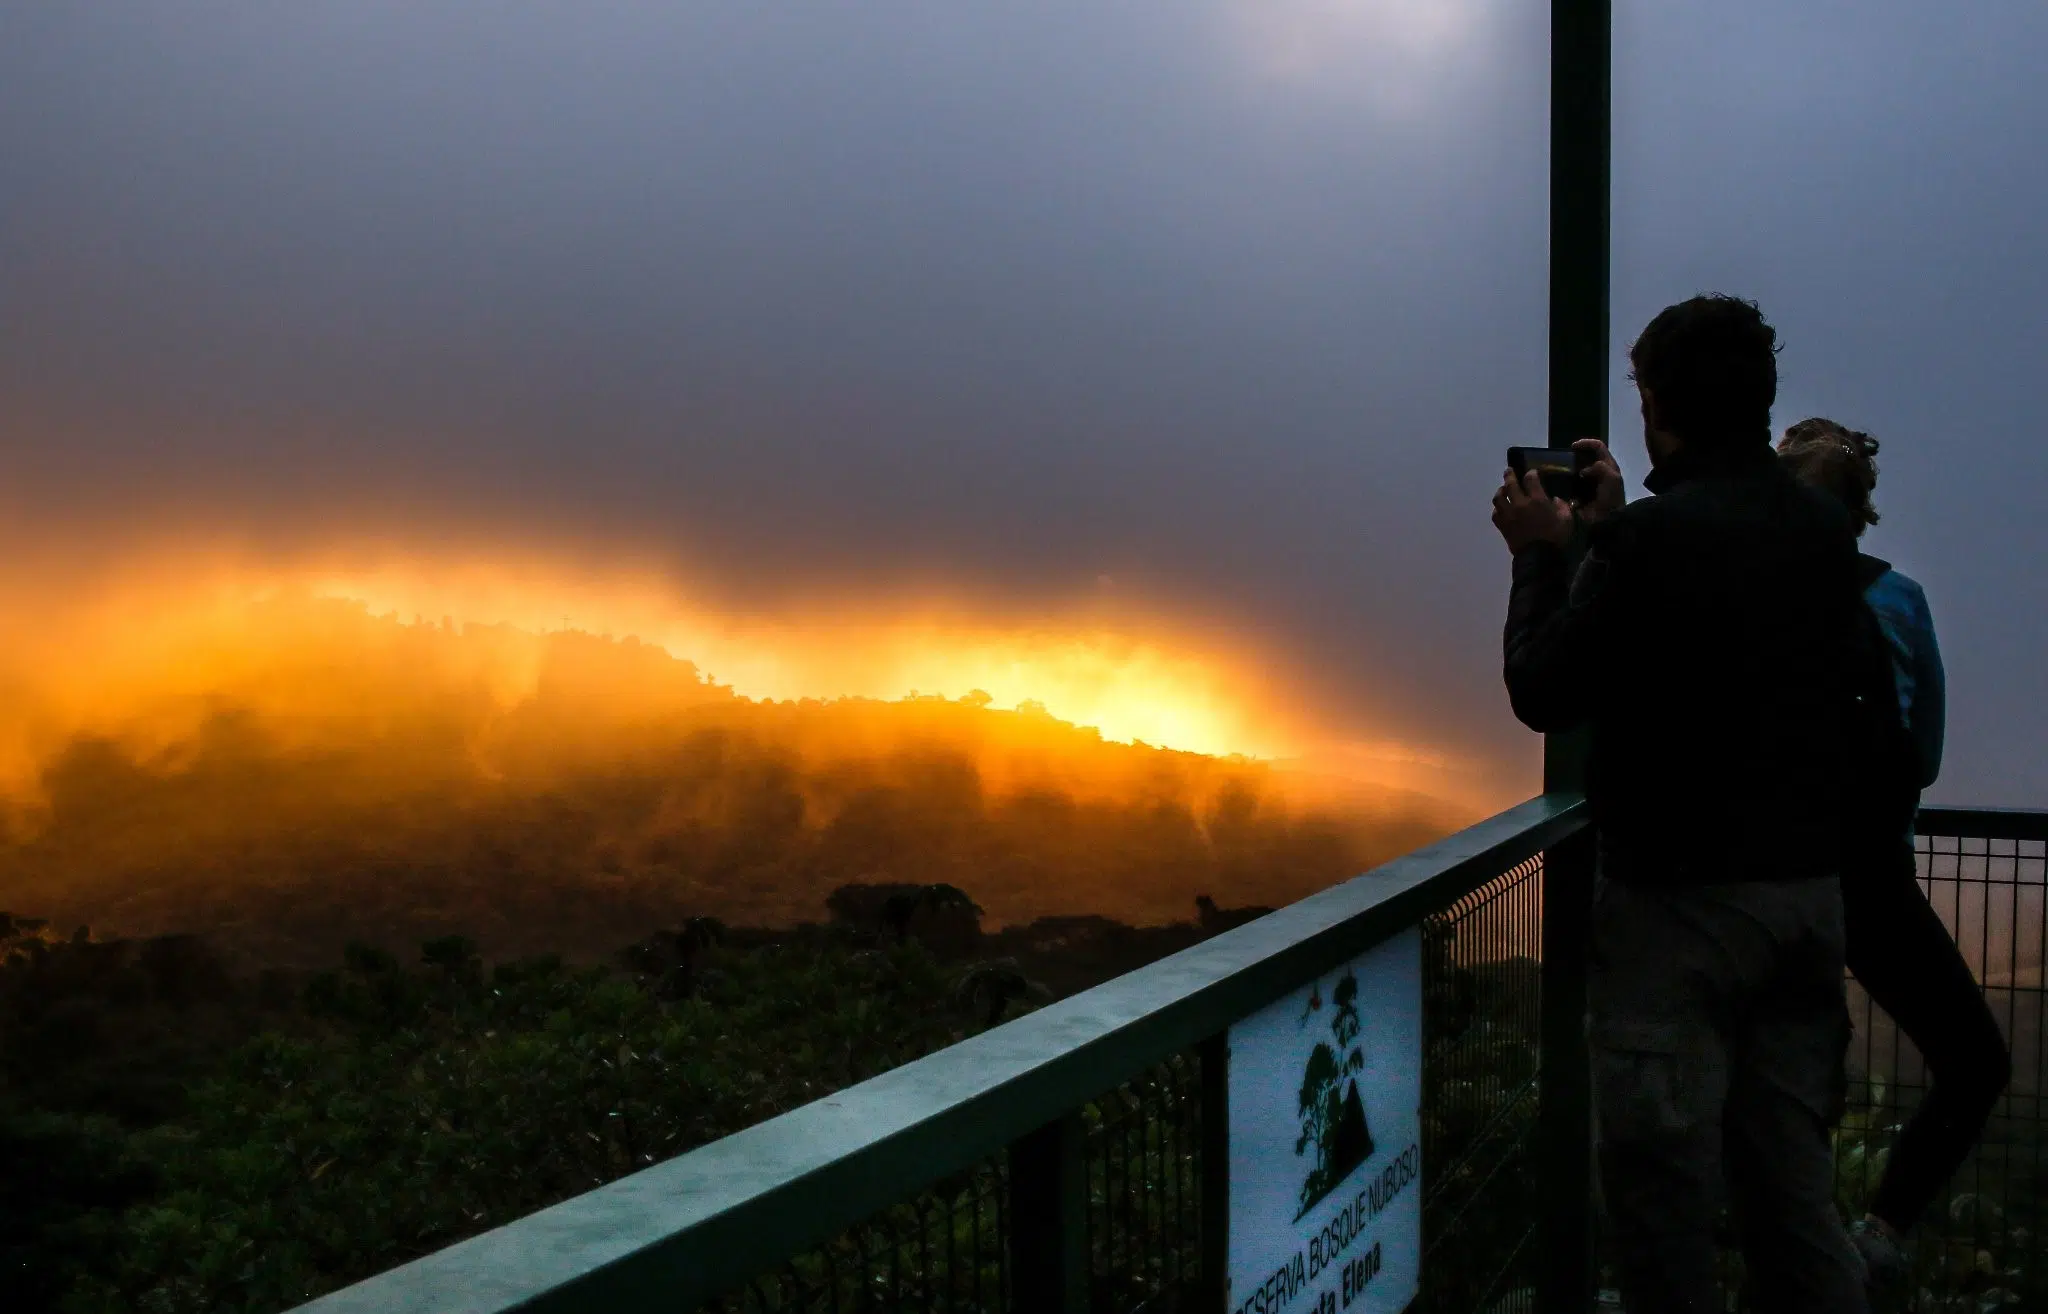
(321, 775)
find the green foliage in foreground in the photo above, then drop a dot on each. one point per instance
(1978, 1250)
(418, 1106)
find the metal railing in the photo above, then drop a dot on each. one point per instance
(1984, 1243)
(1063, 1161)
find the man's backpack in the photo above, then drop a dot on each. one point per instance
(1884, 768)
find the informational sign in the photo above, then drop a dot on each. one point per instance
(1326, 1142)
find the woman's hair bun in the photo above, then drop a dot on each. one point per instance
(1837, 459)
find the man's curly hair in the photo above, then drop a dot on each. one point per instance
(1712, 365)
(1837, 460)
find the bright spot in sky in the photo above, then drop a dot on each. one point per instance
(1393, 53)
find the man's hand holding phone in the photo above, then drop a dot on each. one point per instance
(1602, 492)
(1530, 507)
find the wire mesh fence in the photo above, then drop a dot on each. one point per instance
(1144, 1176)
(1482, 1010)
(943, 1251)
(1981, 1247)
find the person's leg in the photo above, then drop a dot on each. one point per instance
(1903, 956)
(1786, 1084)
(1658, 1080)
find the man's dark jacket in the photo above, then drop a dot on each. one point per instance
(1708, 636)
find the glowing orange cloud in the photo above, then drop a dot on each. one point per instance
(145, 651)
(1132, 687)
(143, 643)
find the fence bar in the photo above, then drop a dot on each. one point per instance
(1985, 823)
(1214, 1297)
(1581, 53)
(1049, 1218)
(1565, 1157)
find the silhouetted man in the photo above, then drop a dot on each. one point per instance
(1704, 637)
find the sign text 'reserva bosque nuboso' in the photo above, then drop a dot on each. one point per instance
(1330, 1244)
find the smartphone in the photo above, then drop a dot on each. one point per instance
(1562, 469)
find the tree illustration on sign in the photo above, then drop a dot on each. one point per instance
(1332, 1114)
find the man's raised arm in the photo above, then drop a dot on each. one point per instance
(1566, 573)
(1558, 632)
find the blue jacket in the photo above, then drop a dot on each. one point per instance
(1901, 609)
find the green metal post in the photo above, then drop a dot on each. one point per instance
(1048, 1222)
(1564, 1156)
(1581, 53)
(1581, 67)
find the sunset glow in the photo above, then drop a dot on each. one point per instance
(144, 652)
(1133, 688)
(324, 733)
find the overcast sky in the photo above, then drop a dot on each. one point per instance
(1234, 302)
